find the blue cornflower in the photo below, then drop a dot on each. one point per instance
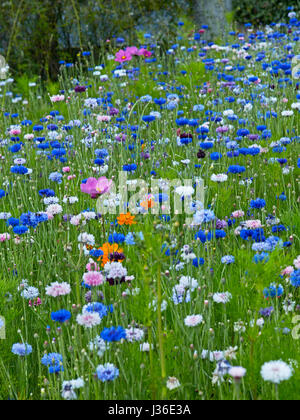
(259, 203)
(113, 334)
(96, 253)
(116, 238)
(56, 177)
(20, 230)
(53, 361)
(228, 259)
(21, 349)
(236, 169)
(15, 148)
(201, 235)
(130, 168)
(101, 153)
(129, 240)
(273, 291)
(107, 372)
(12, 221)
(19, 170)
(100, 308)
(263, 257)
(215, 156)
(2, 193)
(29, 219)
(61, 316)
(278, 228)
(197, 262)
(282, 197)
(295, 278)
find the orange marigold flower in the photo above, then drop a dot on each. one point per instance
(126, 219)
(108, 249)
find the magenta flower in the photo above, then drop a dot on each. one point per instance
(123, 56)
(132, 50)
(95, 187)
(144, 52)
(103, 185)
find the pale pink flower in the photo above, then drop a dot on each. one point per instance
(88, 319)
(193, 320)
(4, 237)
(58, 289)
(93, 278)
(287, 271)
(253, 224)
(92, 266)
(66, 169)
(15, 132)
(238, 213)
(57, 98)
(103, 118)
(297, 262)
(237, 372)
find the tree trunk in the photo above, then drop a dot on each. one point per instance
(213, 14)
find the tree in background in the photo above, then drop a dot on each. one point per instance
(213, 14)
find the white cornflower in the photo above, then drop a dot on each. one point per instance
(276, 371)
(222, 297)
(173, 383)
(99, 345)
(219, 177)
(134, 334)
(54, 209)
(188, 283)
(193, 320)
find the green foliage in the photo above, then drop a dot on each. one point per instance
(37, 34)
(263, 12)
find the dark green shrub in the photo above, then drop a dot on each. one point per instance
(263, 12)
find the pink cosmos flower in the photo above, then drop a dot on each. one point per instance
(144, 52)
(93, 278)
(95, 187)
(132, 50)
(66, 169)
(122, 56)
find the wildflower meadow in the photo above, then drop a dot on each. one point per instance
(149, 220)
